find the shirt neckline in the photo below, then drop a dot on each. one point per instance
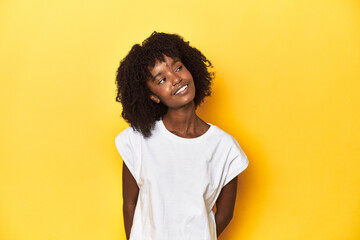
(175, 137)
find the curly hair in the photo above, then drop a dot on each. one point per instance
(132, 92)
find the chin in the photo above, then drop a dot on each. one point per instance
(183, 104)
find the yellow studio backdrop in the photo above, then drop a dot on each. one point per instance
(286, 87)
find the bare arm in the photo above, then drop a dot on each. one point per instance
(130, 195)
(225, 206)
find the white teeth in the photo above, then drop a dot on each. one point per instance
(181, 89)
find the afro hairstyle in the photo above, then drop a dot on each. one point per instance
(133, 93)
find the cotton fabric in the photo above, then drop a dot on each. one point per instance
(179, 180)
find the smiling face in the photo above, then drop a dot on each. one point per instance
(171, 83)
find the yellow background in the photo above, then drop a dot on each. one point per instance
(286, 87)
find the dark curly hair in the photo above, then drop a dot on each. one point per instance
(132, 92)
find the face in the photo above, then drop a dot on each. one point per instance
(171, 83)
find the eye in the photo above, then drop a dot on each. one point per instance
(161, 80)
(178, 69)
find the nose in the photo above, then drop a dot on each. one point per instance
(176, 80)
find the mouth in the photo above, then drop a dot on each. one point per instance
(181, 89)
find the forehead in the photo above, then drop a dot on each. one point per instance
(165, 61)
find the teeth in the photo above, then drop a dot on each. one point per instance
(181, 89)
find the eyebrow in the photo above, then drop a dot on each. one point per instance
(154, 77)
(175, 61)
(159, 73)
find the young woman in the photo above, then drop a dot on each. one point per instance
(177, 167)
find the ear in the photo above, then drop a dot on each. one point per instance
(154, 98)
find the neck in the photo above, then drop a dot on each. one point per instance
(182, 119)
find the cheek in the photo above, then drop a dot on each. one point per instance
(188, 73)
(164, 91)
(167, 87)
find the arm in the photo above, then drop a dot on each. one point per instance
(225, 206)
(130, 195)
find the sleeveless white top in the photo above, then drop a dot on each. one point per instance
(179, 180)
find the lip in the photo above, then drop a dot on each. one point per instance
(181, 87)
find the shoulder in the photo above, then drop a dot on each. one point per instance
(128, 135)
(227, 142)
(222, 135)
(123, 135)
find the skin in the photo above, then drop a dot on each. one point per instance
(180, 119)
